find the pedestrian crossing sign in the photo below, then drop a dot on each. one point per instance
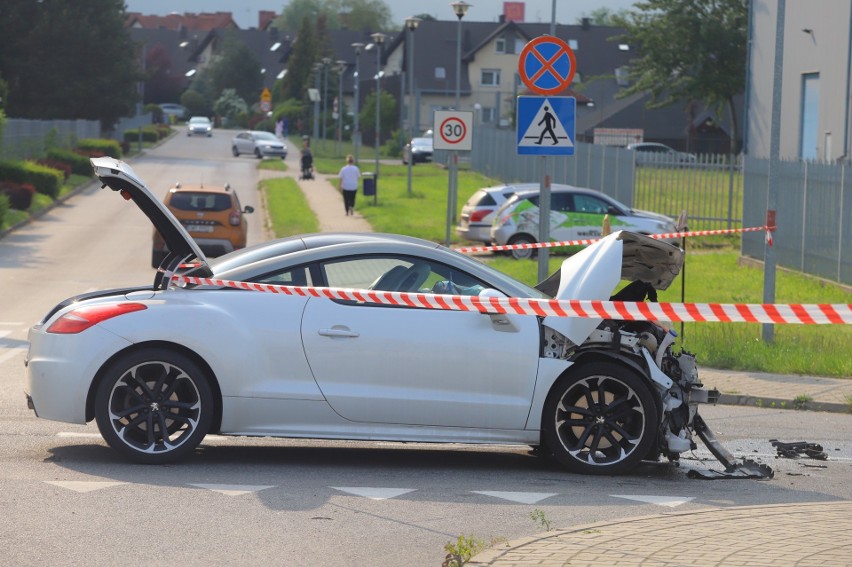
(546, 125)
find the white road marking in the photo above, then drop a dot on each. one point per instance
(519, 497)
(668, 501)
(83, 485)
(374, 493)
(233, 489)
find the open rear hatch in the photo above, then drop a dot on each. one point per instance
(120, 177)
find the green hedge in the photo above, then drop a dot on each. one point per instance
(79, 163)
(150, 134)
(46, 180)
(107, 147)
(4, 207)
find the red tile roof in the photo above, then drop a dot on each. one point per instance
(188, 21)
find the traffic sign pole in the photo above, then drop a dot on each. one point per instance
(453, 130)
(546, 66)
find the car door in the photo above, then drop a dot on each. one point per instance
(406, 365)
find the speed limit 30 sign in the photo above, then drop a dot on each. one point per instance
(453, 130)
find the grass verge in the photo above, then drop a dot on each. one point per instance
(288, 210)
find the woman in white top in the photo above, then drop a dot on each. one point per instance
(348, 183)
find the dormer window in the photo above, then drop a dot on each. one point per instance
(500, 45)
(440, 73)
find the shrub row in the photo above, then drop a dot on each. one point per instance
(96, 147)
(46, 180)
(151, 133)
(79, 163)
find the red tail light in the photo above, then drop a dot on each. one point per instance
(477, 216)
(234, 218)
(78, 320)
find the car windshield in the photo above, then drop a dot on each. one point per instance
(265, 136)
(422, 142)
(199, 120)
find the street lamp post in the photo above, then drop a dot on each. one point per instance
(411, 25)
(460, 8)
(325, 63)
(317, 68)
(356, 133)
(378, 39)
(341, 69)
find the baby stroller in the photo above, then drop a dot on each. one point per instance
(307, 166)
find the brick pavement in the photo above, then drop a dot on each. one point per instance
(811, 534)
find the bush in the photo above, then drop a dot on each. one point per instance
(4, 207)
(107, 147)
(62, 166)
(46, 180)
(150, 134)
(79, 163)
(18, 195)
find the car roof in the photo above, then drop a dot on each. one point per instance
(559, 188)
(200, 188)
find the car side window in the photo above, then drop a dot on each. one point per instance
(590, 204)
(400, 273)
(561, 202)
(300, 276)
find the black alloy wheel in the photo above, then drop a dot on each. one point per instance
(600, 418)
(154, 405)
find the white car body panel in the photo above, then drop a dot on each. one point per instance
(375, 377)
(590, 274)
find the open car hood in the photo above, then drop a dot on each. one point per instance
(119, 176)
(595, 272)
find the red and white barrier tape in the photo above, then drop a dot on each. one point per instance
(805, 314)
(586, 242)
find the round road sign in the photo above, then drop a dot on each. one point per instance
(453, 130)
(546, 65)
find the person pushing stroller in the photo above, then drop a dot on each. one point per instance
(307, 163)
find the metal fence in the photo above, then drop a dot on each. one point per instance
(604, 168)
(814, 202)
(25, 139)
(813, 206)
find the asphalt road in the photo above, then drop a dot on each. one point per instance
(67, 499)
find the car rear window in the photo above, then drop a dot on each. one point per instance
(200, 202)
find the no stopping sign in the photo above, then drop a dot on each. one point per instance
(453, 130)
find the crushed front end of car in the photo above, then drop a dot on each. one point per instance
(602, 423)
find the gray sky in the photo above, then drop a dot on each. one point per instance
(245, 11)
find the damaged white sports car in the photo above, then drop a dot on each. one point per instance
(160, 366)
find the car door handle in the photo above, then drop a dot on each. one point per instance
(337, 332)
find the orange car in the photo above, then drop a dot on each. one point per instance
(211, 215)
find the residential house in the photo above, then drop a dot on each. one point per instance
(816, 122)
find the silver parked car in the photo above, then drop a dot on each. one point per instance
(654, 152)
(420, 150)
(477, 214)
(575, 214)
(258, 143)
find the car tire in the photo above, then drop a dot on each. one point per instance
(600, 418)
(522, 253)
(154, 405)
(258, 154)
(235, 151)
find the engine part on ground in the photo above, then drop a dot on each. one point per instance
(746, 469)
(797, 449)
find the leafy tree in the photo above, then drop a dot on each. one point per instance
(362, 14)
(68, 60)
(348, 14)
(690, 50)
(236, 67)
(230, 104)
(304, 54)
(604, 16)
(387, 115)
